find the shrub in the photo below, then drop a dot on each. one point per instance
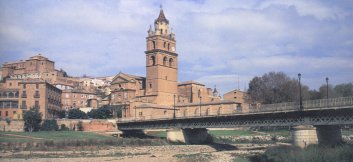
(8, 121)
(64, 128)
(49, 125)
(100, 113)
(80, 126)
(76, 114)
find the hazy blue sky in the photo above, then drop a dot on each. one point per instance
(218, 41)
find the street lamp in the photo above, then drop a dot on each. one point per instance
(174, 107)
(200, 100)
(326, 87)
(300, 94)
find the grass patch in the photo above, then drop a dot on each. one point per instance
(68, 140)
(347, 132)
(193, 157)
(51, 135)
(160, 134)
(231, 133)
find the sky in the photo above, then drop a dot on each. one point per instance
(222, 43)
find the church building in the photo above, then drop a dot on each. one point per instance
(160, 94)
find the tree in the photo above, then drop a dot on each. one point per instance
(61, 114)
(76, 114)
(276, 87)
(8, 120)
(49, 125)
(100, 113)
(32, 120)
(344, 90)
(323, 91)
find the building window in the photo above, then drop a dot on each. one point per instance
(37, 86)
(24, 85)
(140, 113)
(6, 113)
(10, 84)
(36, 104)
(154, 44)
(150, 85)
(153, 60)
(165, 61)
(168, 46)
(14, 112)
(164, 44)
(171, 62)
(24, 105)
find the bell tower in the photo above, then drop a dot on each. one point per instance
(161, 62)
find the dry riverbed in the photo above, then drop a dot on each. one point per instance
(214, 152)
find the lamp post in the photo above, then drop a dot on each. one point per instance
(300, 94)
(174, 107)
(200, 100)
(326, 87)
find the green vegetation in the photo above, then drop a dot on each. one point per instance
(63, 140)
(49, 125)
(53, 135)
(347, 132)
(232, 133)
(313, 153)
(76, 114)
(194, 157)
(100, 113)
(160, 134)
(32, 119)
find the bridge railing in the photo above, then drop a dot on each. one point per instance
(288, 106)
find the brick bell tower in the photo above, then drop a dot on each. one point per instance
(161, 62)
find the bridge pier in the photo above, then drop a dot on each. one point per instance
(189, 136)
(304, 135)
(329, 134)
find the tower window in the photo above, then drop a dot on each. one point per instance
(171, 62)
(165, 61)
(164, 44)
(150, 85)
(153, 60)
(161, 31)
(154, 44)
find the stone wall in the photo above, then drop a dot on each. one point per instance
(104, 125)
(95, 125)
(15, 126)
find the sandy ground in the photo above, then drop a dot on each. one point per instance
(169, 153)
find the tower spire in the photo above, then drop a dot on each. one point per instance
(161, 17)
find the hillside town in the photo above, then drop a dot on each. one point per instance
(36, 83)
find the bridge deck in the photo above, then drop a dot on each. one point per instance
(334, 111)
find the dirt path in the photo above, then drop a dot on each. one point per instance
(20, 136)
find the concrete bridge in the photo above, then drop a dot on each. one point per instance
(318, 122)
